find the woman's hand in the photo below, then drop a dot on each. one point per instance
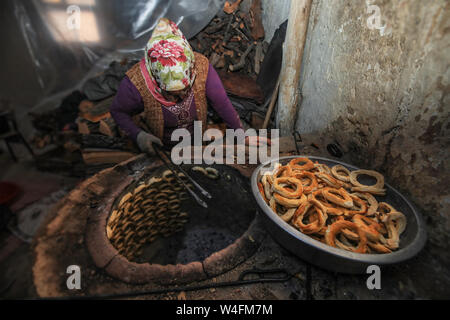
(256, 141)
(145, 142)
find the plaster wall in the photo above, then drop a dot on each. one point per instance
(274, 14)
(376, 78)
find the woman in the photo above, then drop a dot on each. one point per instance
(169, 88)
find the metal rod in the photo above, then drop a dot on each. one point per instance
(262, 278)
(199, 187)
(191, 192)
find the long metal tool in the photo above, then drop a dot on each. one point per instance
(162, 155)
(199, 187)
(246, 278)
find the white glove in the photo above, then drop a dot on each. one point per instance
(145, 142)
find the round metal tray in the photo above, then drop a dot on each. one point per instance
(411, 241)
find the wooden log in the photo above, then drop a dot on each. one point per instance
(292, 60)
(227, 35)
(104, 142)
(245, 19)
(102, 107)
(234, 46)
(242, 86)
(216, 27)
(221, 63)
(108, 127)
(257, 28)
(214, 59)
(96, 112)
(258, 57)
(230, 8)
(95, 157)
(241, 34)
(85, 106)
(202, 43)
(215, 45)
(87, 127)
(241, 62)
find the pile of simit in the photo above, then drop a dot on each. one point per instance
(331, 206)
(150, 211)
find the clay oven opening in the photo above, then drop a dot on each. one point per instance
(154, 221)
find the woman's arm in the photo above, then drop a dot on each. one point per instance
(127, 103)
(215, 92)
(217, 96)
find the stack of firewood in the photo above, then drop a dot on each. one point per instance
(234, 40)
(103, 141)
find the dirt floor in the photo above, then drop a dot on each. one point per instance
(39, 192)
(421, 278)
(403, 282)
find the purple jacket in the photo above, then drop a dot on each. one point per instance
(128, 102)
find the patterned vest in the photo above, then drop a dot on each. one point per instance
(151, 119)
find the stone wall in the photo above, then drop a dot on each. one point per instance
(382, 91)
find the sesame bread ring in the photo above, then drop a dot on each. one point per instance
(289, 203)
(359, 207)
(174, 204)
(370, 227)
(151, 191)
(371, 201)
(325, 205)
(329, 180)
(212, 173)
(160, 196)
(261, 191)
(167, 173)
(323, 168)
(372, 190)
(199, 169)
(396, 224)
(280, 185)
(343, 243)
(114, 216)
(334, 229)
(350, 234)
(146, 203)
(341, 173)
(307, 209)
(286, 216)
(303, 176)
(109, 232)
(378, 247)
(162, 203)
(124, 199)
(338, 196)
(140, 188)
(384, 209)
(153, 181)
(377, 188)
(301, 164)
(282, 171)
(267, 186)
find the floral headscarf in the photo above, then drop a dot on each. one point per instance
(169, 61)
